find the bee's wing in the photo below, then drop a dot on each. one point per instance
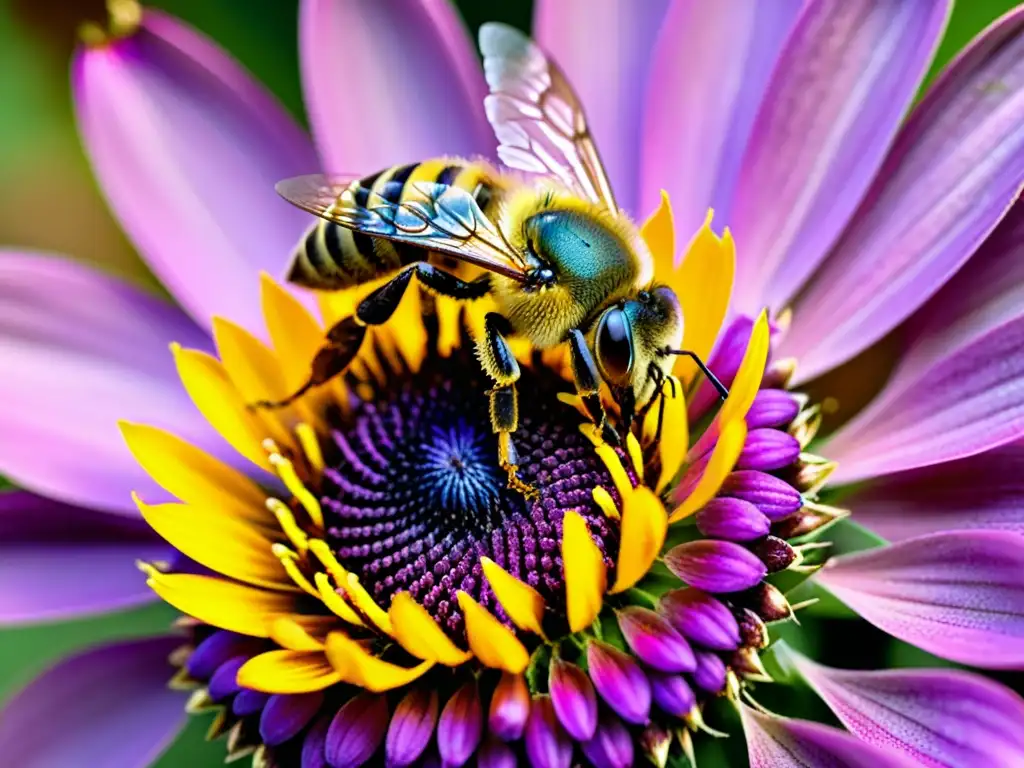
(439, 217)
(537, 116)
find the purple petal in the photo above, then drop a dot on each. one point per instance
(620, 682)
(212, 652)
(715, 566)
(953, 172)
(605, 50)
(573, 697)
(710, 673)
(671, 693)
(461, 725)
(732, 519)
(776, 498)
(958, 390)
(655, 641)
(411, 728)
(935, 717)
(314, 745)
(767, 450)
(426, 99)
(224, 680)
(981, 491)
(105, 706)
(356, 731)
(547, 744)
(844, 80)
(188, 148)
(713, 60)
(249, 702)
(510, 706)
(773, 742)
(959, 595)
(702, 618)
(60, 562)
(495, 753)
(772, 408)
(611, 746)
(725, 363)
(286, 715)
(61, 322)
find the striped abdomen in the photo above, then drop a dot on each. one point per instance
(330, 257)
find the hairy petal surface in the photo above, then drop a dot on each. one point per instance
(709, 71)
(187, 148)
(958, 594)
(953, 172)
(844, 80)
(390, 81)
(604, 48)
(80, 351)
(105, 706)
(935, 717)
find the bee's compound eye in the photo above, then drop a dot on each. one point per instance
(614, 345)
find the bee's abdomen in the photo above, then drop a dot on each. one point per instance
(330, 257)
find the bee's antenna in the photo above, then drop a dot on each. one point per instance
(723, 391)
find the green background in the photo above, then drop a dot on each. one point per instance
(39, 152)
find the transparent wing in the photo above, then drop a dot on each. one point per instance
(537, 116)
(439, 217)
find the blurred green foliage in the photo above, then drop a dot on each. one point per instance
(37, 130)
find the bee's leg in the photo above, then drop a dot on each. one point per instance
(447, 284)
(501, 365)
(588, 383)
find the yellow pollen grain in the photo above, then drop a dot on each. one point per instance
(310, 445)
(604, 500)
(286, 520)
(615, 468)
(286, 471)
(289, 561)
(334, 602)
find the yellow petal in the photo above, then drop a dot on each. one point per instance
(644, 522)
(748, 378)
(521, 602)
(675, 430)
(723, 459)
(362, 600)
(217, 399)
(221, 603)
(193, 476)
(288, 672)
(585, 574)
(494, 644)
(613, 463)
(295, 334)
(335, 602)
(659, 233)
(703, 283)
(289, 634)
(410, 335)
(356, 665)
(449, 320)
(221, 542)
(419, 634)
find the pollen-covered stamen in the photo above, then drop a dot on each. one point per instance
(413, 495)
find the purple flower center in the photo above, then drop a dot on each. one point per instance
(415, 496)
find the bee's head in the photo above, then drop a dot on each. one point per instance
(630, 339)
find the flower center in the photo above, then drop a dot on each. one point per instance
(414, 495)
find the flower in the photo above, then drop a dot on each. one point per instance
(466, 619)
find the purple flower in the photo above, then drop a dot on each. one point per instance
(866, 215)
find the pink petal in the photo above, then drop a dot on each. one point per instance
(188, 147)
(843, 82)
(709, 71)
(982, 491)
(390, 81)
(604, 47)
(958, 391)
(778, 742)
(80, 351)
(935, 717)
(108, 706)
(59, 562)
(959, 595)
(954, 170)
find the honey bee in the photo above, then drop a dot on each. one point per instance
(562, 263)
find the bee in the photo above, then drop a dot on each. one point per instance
(561, 262)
